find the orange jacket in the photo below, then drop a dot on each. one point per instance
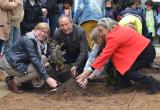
(123, 46)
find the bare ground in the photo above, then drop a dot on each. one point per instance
(96, 97)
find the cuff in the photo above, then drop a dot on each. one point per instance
(98, 72)
(45, 77)
(90, 69)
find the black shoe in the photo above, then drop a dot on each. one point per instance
(154, 87)
(27, 86)
(153, 90)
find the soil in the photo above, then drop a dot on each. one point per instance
(96, 97)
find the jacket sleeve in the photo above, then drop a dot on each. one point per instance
(92, 57)
(32, 53)
(83, 50)
(7, 5)
(112, 44)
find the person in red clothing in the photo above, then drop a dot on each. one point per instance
(128, 50)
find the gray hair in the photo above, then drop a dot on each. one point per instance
(94, 34)
(107, 23)
(64, 16)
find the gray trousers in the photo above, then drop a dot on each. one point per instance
(19, 77)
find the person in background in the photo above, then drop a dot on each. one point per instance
(132, 21)
(23, 62)
(7, 9)
(87, 14)
(75, 6)
(117, 48)
(16, 17)
(67, 9)
(137, 4)
(158, 23)
(150, 16)
(74, 43)
(137, 16)
(32, 15)
(45, 12)
(110, 10)
(53, 14)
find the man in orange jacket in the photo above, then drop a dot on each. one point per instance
(128, 50)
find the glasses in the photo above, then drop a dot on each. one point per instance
(44, 31)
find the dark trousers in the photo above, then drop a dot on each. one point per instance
(72, 59)
(53, 23)
(150, 37)
(1, 45)
(145, 58)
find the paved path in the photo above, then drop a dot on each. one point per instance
(157, 51)
(3, 89)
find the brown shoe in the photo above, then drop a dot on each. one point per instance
(13, 87)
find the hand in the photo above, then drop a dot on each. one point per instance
(83, 76)
(19, 2)
(74, 71)
(84, 84)
(52, 82)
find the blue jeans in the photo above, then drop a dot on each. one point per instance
(14, 35)
(53, 23)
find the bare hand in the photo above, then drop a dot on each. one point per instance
(82, 76)
(84, 84)
(52, 82)
(74, 71)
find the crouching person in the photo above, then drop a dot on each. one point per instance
(129, 52)
(23, 61)
(97, 48)
(74, 44)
